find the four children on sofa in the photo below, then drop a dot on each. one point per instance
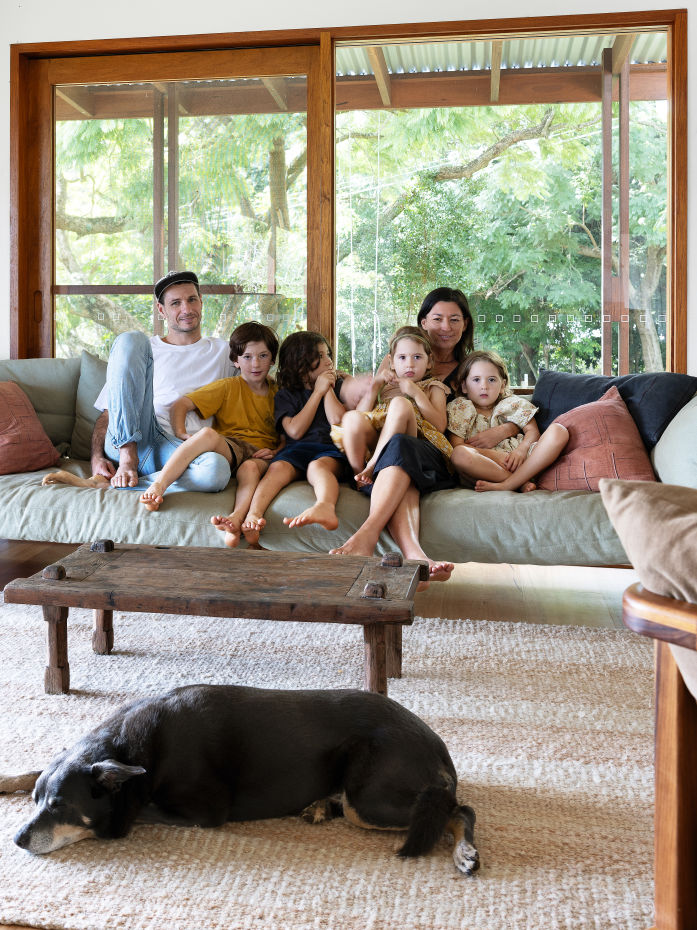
(275, 432)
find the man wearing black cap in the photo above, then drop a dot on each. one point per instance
(145, 375)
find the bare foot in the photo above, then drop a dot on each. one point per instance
(437, 571)
(153, 497)
(126, 475)
(321, 512)
(366, 476)
(440, 571)
(232, 527)
(66, 477)
(358, 544)
(252, 527)
(508, 485)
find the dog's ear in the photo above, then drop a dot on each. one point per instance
(112, 774)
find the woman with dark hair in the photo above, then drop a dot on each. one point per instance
(409, 466)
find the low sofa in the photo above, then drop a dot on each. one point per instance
(545, 527)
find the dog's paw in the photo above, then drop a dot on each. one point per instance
(317, 812)
(465, 857)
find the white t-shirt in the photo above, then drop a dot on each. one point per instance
(179, 370)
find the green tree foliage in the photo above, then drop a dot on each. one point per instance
(503, 202)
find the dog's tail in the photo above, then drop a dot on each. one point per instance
(433, 809)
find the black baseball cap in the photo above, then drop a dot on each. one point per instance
(174, 277)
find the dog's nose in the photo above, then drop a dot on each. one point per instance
(21, 837)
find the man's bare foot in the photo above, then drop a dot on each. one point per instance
(232, 526)
(66, 477)
(126, 475)
(321, 512)
(153, 497)
(528, 486)
(252, 527)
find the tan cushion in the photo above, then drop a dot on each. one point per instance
(24, 445)
(604, 442)
(657, 525)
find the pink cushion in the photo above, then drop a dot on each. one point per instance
(24, 445)
(604, 442)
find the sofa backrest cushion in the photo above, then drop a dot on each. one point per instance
(675, 454)
(653, 398)
(24, 445)
(51, 386)
(604, 442)
(92, 378)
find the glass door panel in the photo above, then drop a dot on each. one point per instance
(209, 175)
(477, 164)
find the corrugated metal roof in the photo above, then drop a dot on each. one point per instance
(536, 52)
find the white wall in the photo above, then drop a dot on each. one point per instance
(26, 21)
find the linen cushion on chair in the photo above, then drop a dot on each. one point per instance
(657, 525)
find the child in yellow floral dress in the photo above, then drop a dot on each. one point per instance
(400, 400)
(485, 400)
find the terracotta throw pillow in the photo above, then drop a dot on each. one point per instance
(657, 525)
(604, 442)
(24, 445)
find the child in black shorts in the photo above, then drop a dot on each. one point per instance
(306, 406)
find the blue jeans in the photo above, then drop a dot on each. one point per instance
(132, 419)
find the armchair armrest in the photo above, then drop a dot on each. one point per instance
(671, 622)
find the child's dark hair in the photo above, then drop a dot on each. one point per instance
(483, 356)
(297, 357)
(252, 332)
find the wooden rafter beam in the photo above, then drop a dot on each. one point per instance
(77, 98)
(376, 56)
(446, 89)
(496, 52)
(278, 89)
(621, 49)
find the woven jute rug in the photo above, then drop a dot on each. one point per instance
(550, 729)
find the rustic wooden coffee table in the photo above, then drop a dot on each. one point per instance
(376, 594)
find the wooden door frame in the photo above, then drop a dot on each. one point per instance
(31, 152)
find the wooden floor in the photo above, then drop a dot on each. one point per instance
(527, 593)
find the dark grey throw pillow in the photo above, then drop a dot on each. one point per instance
(653, 398)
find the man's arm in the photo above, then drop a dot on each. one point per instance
(100, 463)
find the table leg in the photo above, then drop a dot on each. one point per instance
(57, 673)
(375, 657)
(393, 646)
(103, 635)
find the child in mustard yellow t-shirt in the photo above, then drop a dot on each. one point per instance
(244, 431)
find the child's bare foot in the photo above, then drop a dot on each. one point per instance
(153, 497)
(509, 485)
(232, 527)
(66, 477)
(365, 476)
(252, 527)
(321, 512)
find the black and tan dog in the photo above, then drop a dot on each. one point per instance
(206, 754)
